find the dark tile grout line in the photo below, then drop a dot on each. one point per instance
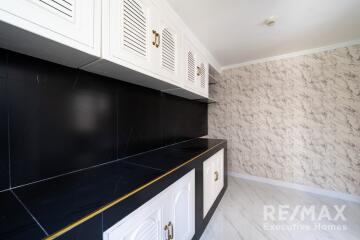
(9, 145)
(29, 212)
(95, 166)
(144, 166)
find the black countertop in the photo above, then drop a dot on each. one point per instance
(15, 221)
(55, 203)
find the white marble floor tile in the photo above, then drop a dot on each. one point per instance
(240, 215)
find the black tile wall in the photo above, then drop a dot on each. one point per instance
(63, 119)
(139, 122)
(4, 154)
(182, 119)
(3, 63)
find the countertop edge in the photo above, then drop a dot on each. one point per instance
(113, 203)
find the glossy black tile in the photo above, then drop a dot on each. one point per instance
(172, 156)
(4, 145)
(58, 202)
(89, 230)
(119, 211)
(61, 119)
(197, 145)
(3, 63)
(139, 122)
(15, 222)
(182, 119)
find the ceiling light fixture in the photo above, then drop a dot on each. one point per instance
(270, 21)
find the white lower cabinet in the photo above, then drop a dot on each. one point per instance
(169, 215)
(213, 179)
(182, 208)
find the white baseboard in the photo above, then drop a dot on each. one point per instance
(315, 190)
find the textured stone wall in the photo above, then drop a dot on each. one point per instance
(295, 120)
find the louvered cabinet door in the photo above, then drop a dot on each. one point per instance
(190, 67)
(169, 52)
(202, 74)
(129, 31)
(70, 22)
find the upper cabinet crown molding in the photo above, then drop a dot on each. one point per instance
(62, 31)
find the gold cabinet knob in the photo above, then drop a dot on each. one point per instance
(198, 71)
(216, 176)
(155, 37)
(169, 228)
(158, 40)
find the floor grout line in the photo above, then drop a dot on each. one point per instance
(29, 212)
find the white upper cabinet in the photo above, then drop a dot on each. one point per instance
(140, 45)
(202, 74)
(127, 32)
(190, 67)
(168, 60)
(138, 41)
(196, 73)
(28, 25)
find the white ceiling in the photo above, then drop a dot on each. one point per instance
(233, 30)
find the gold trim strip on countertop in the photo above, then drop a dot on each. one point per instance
(111, 204)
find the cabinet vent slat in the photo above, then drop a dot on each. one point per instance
(168, 50)
(134, 27)
(191, 67)
(202, 75)
(132, 47)
(136, 16)
(168, 61)
(135, 35)
(63, 8)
